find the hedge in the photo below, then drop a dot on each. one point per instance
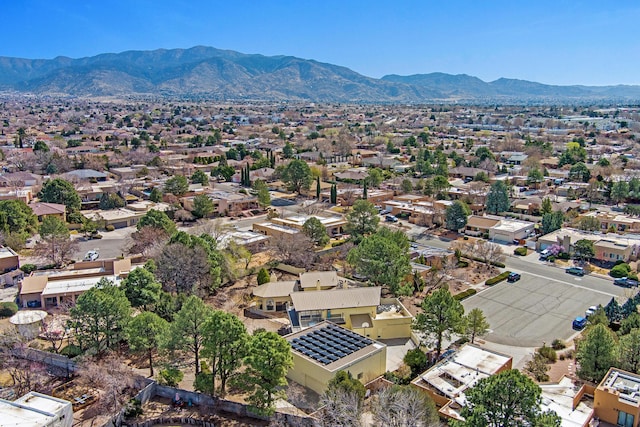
(8, 309)
(465, 294)
(522, 251)
(497, 279)
(28, 268)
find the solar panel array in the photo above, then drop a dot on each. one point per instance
(330, 343)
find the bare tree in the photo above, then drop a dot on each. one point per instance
(216, 228)
(55, 333)
(56, 248)
(340, 408)
(403, 406)
(296, 249)
(147, 241)
(313, 208)
(440, 272)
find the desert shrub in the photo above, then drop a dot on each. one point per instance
(548, 353)
(462, 264)
(133, 409)
(620, 270)
(521, 251)
(28, 268)
(558, 344)
(8, 309)
(497, 279)
(71, 351)
(109, 227)
(563, 255)
(465, 294)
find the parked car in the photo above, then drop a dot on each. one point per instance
(626, 282)
(34, 304)
(577, 271)
(91, 256)
(390, 218)
(513, 277)
(579, 323)
(447, 354)
(385, 212)
(590, 311)
(545, 254)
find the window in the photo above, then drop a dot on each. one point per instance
(625, 420)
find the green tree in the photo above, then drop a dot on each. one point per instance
(589, 223)
(374, 177)
(157, 219)
(552, 222)
(297, 176)
(224, 346)
(263, 276)
(619, 191)
(383, 257)
(177, 185)
(416, 360)
(155, 195)
(317, 232)
(498, 198)
(144, 333)
(344, 380)
(546, 207)
(584, 250)
(442, 315)
(407, 186)
(440, 184)
(99, 317)
(17, 217)
(596, 353)
(362, 219)
(287, 151)
(318, 189)
(41, 146)
(202, 206)
(267, 362)
(629, 351)
(573, 154)
(535, 177)
(141, 288)
(199, 177)
(186, 332)
(111, 201)
(579, 172)
(456, 215)
(60, 191)
(262, 192)
(476, 324)
(507, 399)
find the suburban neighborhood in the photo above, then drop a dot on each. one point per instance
(438, 249)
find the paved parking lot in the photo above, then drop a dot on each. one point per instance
(535, 309)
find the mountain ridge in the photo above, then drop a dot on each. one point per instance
(209, 72)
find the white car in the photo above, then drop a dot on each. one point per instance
(591, 310)
(91, 256)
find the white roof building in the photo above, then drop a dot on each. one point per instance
(36, 410)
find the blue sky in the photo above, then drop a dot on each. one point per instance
(554, 42)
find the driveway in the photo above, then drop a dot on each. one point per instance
(110, 246)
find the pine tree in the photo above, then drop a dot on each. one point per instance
(364, 191)
(318, 188)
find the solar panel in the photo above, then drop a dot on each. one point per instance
(330, 343)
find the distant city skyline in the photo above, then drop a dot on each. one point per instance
(553, 42)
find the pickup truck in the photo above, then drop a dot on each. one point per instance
(626, 282)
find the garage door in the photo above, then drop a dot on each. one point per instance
(503, 237)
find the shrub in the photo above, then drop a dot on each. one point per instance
(465, 238)
(109, 227)
(558, 344)
(465, 294)
(521, 251)
(28, 268)
(8, 309)
(170, 377)
(71, 351)
(620, 270)
(462, 264)
(263, 276)
(338, 243)
(548, 353)
(563, 255)
(497, 279)
(416, 360)
(632, 275)
(133, 409)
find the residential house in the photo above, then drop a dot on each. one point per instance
(233, 204)
(36, 410)
(324, 349)
(616, 399)
(55, 287)
(276, 296)
(291, 225)
(447, 381)
(85, 175)
(608, 247)
(567, 400)
(497, 228)
(43, 210)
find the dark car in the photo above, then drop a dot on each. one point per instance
(577, 271)
(579, 323)
(626, 282)
(513, 277)
(34, 304)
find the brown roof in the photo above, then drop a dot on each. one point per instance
(33, 284)
(42, 208)
(336, 298)
(481, 221)
(310, 279)
(275, 289)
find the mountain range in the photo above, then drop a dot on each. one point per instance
(210, 73)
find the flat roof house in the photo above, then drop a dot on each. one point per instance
(616, 400)
(323, 350)
(36, 410)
